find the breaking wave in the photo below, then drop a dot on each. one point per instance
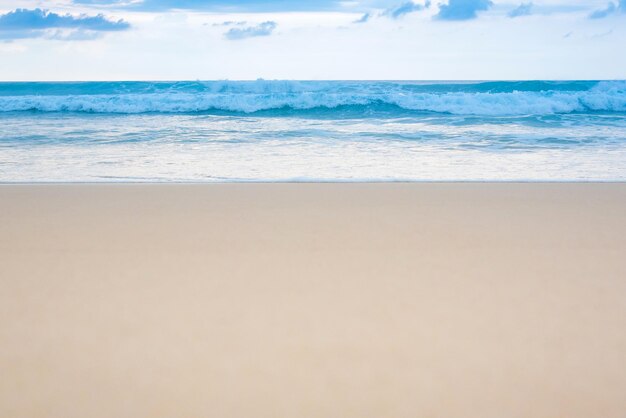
(486, 98)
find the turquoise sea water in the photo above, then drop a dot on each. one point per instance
(307, 131)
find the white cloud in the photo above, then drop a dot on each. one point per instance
(187, 45)
(262, 29)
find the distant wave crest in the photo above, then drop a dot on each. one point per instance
(513, 98)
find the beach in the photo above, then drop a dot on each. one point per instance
(483, 300)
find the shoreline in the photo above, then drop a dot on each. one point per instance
(278, 182)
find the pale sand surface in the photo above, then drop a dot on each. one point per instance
(313, 300)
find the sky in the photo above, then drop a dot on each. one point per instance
(65, 40)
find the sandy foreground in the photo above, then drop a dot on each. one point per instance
(313, 300)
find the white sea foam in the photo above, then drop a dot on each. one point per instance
(251, 97)
(340, 131)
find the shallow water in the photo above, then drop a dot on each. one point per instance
(305, 131)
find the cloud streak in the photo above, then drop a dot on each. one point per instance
(363, 18)
(405, 8)
(37, 23)
(262, 29)
(524, 9)
(462, 9)
(610, 9)
(222, 5)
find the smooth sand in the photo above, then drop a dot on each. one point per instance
(313, 300)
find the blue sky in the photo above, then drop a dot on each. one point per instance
(319, 39)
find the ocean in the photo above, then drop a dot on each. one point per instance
(221, 131)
